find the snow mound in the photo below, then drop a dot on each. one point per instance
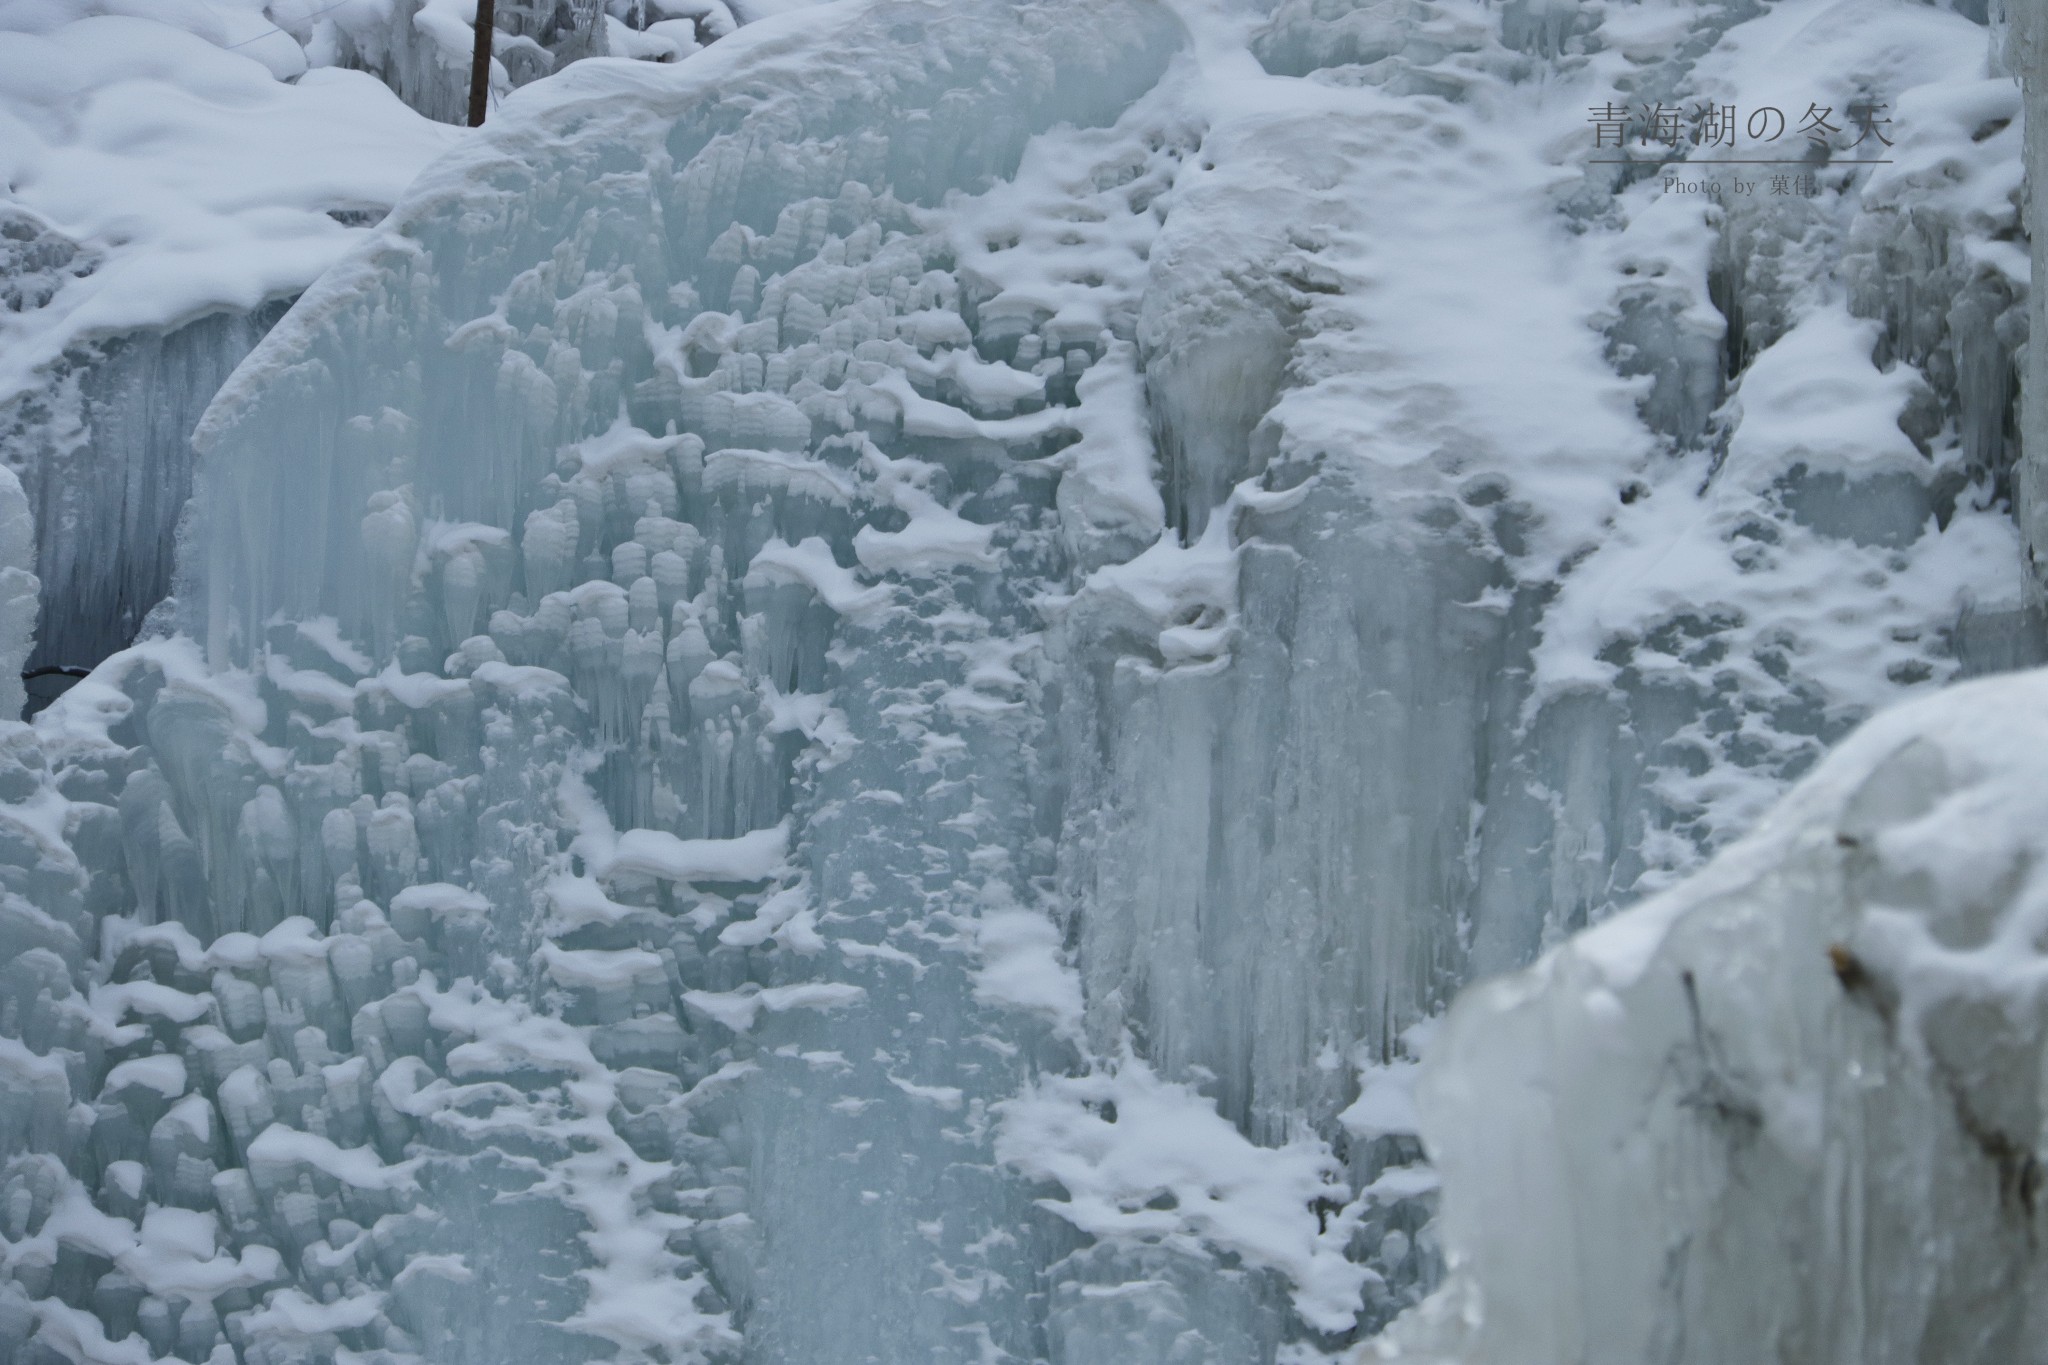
(194, 178)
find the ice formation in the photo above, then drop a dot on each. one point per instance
(19, 591)
(851, 698)
(2029, 42)
(166, 196)
(175, 174)
(1789, 1110)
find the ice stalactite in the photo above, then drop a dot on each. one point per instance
(105, 453)
(2028, 44)
(19, 591)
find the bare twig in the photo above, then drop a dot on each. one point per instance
(480, 62)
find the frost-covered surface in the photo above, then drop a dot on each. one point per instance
(1790, 1109)
(166, 192)
(175, 172)
(850, 699)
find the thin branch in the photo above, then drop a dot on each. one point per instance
(480, 62)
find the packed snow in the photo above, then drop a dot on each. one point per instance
(188, 177)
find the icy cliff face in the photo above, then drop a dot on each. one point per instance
(845, 703)
(1790, 1109)
(166, 195)
(1504, 631)
(176, 174)
(630, 928)
(2028, 41)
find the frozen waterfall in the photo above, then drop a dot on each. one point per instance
(858, 699)
(136, 273)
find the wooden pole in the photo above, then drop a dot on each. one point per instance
(480, 62)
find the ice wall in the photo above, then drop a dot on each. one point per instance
(105, 455)
(1790, 1108)
(137, 271)
(1503, 633)
(1547, 622)
(2028, 46)
(846, 702)
(19, 591)
(600, 867)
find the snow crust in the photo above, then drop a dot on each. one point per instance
(1146, 1161)
(188, 176)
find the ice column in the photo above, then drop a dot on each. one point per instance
(2028, 46)
(105, 452)
(546, 917)
(19, 591)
